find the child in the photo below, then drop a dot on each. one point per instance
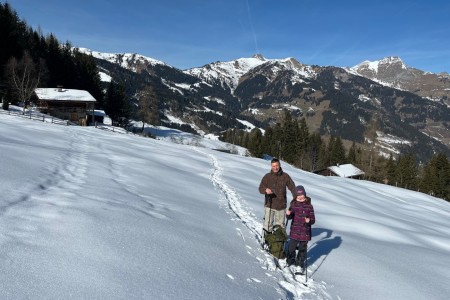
(302, 214)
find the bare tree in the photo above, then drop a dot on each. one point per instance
(148, 107)
(23, 77)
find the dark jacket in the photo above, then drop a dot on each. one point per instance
(300, 230)
(277, 182)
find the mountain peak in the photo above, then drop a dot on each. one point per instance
(129, 61)
(377, 66)
(259, 56)
(391, 59)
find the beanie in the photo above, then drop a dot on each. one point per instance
(300, 190)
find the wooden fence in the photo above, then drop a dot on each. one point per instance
(38, 116)
(33, 115)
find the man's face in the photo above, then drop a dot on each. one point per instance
(275, 167)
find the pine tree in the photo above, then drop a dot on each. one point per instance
(351, 156)
(337, 151)
(314, 151)
(87, 76)
(369, 153)
(12, 35)
(436, 177)
(302, 141)
(391, 170)
(379, 169)
(117, 106)
(266, 145)
(324, 156)
(288, 136)
(406, 172)
(276, 145)
(255, 143)
(244, 138)
(225, 136)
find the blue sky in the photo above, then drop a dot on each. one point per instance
(192, 33)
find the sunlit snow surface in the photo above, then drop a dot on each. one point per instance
(92, 214)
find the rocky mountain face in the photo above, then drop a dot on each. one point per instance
(391, 71)
(362, 104)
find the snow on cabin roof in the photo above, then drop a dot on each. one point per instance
(346, 170)
(61, 94)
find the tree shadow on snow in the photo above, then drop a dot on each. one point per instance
(323, 247)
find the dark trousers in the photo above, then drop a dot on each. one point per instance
(301, 255)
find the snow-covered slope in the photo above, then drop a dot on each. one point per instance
(90, 214)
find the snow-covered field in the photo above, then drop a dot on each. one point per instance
(92, 214)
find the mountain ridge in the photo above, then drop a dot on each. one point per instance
(335, 101)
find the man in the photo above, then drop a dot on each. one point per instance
(274, 185)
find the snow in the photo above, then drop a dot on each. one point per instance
(249, 126)
(346, 170)
(228, 72)
(123, 59)
(218, 100)
(209, 141)
(168, 84)
(105, 77)
(363, 98)
(56, 94)
(391, 139)
(174, 119)
(254, 111)
(375, 65)
(93, 214)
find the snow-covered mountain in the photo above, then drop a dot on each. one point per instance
(132, 61)
(229, 74)
(387, 67)
(393, 72)
(251, 92)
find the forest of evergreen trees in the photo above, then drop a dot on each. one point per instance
(35, 60)
(292, 142)
(43, 59)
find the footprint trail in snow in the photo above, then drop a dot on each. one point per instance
(236, 206)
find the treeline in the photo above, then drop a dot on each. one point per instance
(28, 59)
(292, 142)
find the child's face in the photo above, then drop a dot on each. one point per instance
(301, 198)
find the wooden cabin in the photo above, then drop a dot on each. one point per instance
(66, 104)
(345, 170)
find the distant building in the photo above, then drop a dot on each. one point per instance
(346, 171)
(66, 104)
(99, 116)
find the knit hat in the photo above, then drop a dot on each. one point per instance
(300, 190)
